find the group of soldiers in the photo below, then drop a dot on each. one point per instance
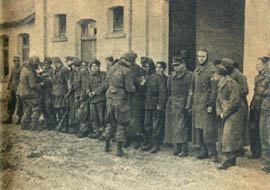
(137, 104)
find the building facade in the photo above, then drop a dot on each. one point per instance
(161, 29)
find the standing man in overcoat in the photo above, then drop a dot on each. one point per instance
(255, 109)
(177, 109)
(203, 95)
(59, 90)
(14, 99)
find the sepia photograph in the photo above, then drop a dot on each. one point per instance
(134, 94)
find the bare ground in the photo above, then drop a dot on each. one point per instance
(47, 160)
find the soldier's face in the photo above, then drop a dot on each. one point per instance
(17, 63)
(94, 68)
(202, 57)
(159, 69)
(179, 67)
(146, 68)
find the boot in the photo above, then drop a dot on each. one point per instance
(155, 148)
(148, 144)
(227, 163)
(203, 154)
(119, 152)
(137, 142)
(19, 120)
(107, 146)
(8, 120)
(127, 143)
(184, 152)
(177, 149)
(254, 156)
(266, 169)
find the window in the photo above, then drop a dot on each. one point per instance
(118, 18)
(60, 27)
(4, 55)
(24, 46)
(115, 22)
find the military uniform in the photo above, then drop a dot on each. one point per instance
(30, 89)
(254, 118)
(228, 103)
(265, 122)
(203, 95)
(121, 84)
(14, 98)
(154, 108)
(97, 103)
(243, 85)
(46, 102)
(59, 90)
(177, 124)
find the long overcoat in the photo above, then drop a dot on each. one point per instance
(176, 125)
(229, 104)
(203, 93)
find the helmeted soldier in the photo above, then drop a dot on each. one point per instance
(30, 91)
(121, 85)
(255, 109)
(265, 113)
(203, 115)
(228, 104)
(96, 90)
(154, 107)
(59, 90)
(177, 110)
(14, 99)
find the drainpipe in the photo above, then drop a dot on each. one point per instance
(44, 28)
(130, 26)
(147, 29)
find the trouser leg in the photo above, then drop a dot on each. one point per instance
(26, 118)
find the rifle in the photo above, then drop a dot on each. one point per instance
(59, 125)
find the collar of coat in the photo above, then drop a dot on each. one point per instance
(179, 75)
(201, 68)
(223, 81)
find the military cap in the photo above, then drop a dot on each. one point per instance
(56, 60)
(162, 64)
(110, 58)
(129, 56)
(76, 61)
(48, 60)
(34, 60)
(146, 60)
(177, 60)
(221, 69)
(69, 58)
(228, 64)
(265, 59)
(16, 58)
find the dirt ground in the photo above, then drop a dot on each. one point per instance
(47, 160)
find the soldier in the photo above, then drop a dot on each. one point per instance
(176, 129)
(228, 103)
(46, 103)
(242, 81)
(59, 90)
(255, 109)
(96, 90)
(30, 89)
(80, 83)
(203, 116)
(137, 101)
(121, 85)
(264, 65)
(14, 98)
(109, 62)
(154, 107)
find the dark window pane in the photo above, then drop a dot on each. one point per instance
(6, 66)
(62, 25)
(5, 41)
(118, 19)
